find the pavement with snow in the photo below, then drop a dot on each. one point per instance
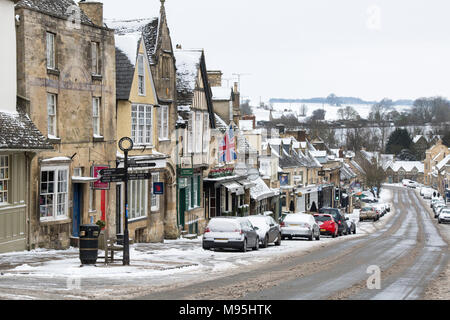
(46, 274)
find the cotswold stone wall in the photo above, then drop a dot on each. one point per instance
(75, 88)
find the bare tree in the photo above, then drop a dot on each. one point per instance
(375, 176)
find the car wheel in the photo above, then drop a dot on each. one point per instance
(318, 236)
(256, 248)
(439, 220)
(311, 237)
(278, 242)
(265, 243)
(244, 246)
(354, 231)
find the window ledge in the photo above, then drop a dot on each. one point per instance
(54, 140)
(50, 222)
(164, 140)
(53, 71)
(137, 219)
(99, 139)
(97, 77)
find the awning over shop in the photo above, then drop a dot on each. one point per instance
(247, 184)
(260, 191)
(234, 187)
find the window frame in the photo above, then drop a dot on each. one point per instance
(96, 119)
(54, 122)
(154, 204)
(95, 57)
(50, 50)
(56, 203)
(163, 117)
(147, 129)
(5, 174)
(138, 192)
(141, 75)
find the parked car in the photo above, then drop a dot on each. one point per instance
(409, 183)
(300, 225)
(351, 226)
(438, 206)
(327, 225)
(268, 230)
(438, 211)
(337, 216)
(368, 213)
(444, 216)
(230, 233)
(437, 202)
(381, 209)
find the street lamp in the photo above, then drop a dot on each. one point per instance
(126, 144)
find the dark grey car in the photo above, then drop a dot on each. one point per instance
(337, 216)
(230, 233)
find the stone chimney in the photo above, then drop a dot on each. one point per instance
(94, 11)
(215, 78)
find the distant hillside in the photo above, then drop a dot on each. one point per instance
(342, 100)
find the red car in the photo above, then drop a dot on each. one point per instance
(327, 225)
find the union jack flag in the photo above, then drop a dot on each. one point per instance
(227, 148)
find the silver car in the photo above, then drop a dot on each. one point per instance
(444, 216)
(268, 230)
(300, 225)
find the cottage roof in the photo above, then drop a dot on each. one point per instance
(57, 8)
(443, 162)
(408, 166)
(18, 132)
(187, 64)
(128, 36)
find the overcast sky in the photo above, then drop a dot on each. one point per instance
(301, 49)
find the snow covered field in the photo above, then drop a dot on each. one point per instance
(280, 109)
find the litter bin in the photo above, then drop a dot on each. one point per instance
(89, 243)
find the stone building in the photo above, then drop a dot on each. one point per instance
(195, 108)
(20, 141)
(436, 153)
(66, 69)
(420, 146)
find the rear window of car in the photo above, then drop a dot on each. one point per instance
(299, 217)
(367, 209)
(223, 225)
(323, 218)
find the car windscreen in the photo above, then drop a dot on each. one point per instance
(367, 209)
(223, 225)
(322, 218)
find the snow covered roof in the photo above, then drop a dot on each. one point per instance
(246, 125)
(18, 132)
(443, 162)
(408, 166)
(260, 191)
(318, 154)
(58, 8)
(128, 36)
(188, 62)
(417, 138)
(129, 32)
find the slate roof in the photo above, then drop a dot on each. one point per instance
(18, 132)
(57, 8)
(128, 35)
(124, 75)
(187, 64)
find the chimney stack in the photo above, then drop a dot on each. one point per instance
(94, 11)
